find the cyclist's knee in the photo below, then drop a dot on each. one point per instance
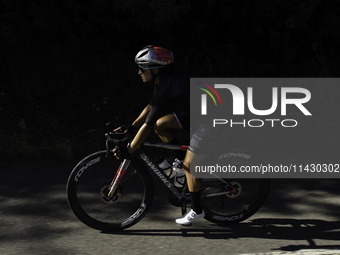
(156, 128)
(160, 125)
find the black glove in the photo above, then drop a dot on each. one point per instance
(122, 152)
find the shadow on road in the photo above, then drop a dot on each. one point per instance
(266, 228)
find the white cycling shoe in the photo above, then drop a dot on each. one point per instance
(189, 217)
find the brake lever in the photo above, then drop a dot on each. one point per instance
(116, 142)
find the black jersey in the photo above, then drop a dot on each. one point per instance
(171, 95)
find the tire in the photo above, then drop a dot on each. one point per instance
(233, 208)
(87, 187)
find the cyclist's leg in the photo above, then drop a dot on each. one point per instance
(194, 184)
(194, 187)
(195, 154)
(164, 125)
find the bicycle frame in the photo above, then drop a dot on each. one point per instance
(155, 168)
(126, 162)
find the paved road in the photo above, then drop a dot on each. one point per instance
(299, 217)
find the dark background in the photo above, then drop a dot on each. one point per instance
(68, 66)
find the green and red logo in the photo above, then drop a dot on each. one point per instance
(204, 97)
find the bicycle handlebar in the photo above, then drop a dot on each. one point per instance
(116, 142)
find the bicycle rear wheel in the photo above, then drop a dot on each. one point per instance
(88, 186)
(236, 206)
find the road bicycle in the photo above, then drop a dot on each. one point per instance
(111, 195)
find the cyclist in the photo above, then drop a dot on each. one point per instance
(168, 109)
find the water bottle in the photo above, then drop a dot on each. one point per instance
(166, 167)
(179, 173)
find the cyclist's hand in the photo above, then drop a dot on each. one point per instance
(121, 152)
(125, 129)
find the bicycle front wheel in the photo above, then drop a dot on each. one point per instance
(223, 205)
(88, 186)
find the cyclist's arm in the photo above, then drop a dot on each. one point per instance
(140, 137)
(140, 120)
(142, 117)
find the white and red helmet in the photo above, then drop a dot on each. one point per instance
(151, 55)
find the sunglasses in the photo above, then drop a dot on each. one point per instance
(142, 68)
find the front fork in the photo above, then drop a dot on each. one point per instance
(118, 177)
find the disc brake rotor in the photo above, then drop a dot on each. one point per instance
(238, 189)
(110, 200)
